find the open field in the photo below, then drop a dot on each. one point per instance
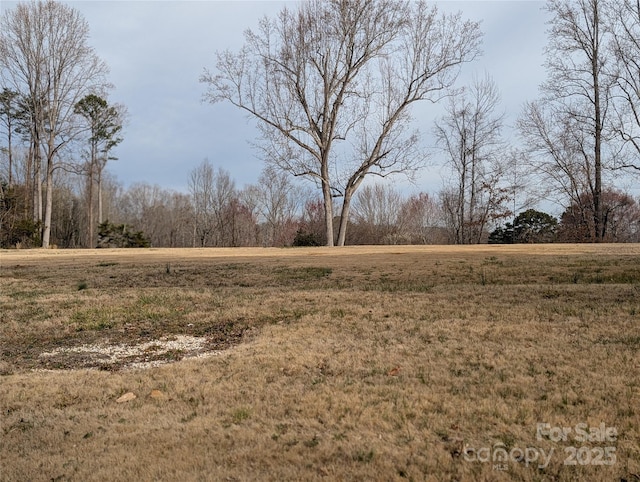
(359, 363)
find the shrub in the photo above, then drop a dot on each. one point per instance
(306, 239)
(119, 236)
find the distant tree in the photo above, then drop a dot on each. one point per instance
(10, 118)
(421, 220)
(621, 219)
(469, 135)
(502, 235)
(382, 215)
(278, 202)
(164, 215)
(530, 226)
(333, 79)
(15, 229)
(303, 238)
(178, 226)
(201, 181)
(375, 215)
(120, 236)
(311, 230)
(241, 228)
(103, 124)
(212, 192)
(68, 219)
(533, 226)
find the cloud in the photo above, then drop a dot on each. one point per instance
(157, 51)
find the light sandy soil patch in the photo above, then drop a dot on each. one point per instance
(136, 355)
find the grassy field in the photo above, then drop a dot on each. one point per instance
(390, 363)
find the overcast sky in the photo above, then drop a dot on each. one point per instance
(157, 50)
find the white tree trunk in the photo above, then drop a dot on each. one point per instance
(46, 232)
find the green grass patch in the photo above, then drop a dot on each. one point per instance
(304, 273)
(94, 319)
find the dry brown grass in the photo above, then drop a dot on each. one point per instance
(334, 364)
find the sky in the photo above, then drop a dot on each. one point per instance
(157, 50)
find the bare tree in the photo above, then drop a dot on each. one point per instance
(625, 16)
(421, 220)
(225, 207)
(621, 219)
(567, 130)
(561, 170)
(44, 55)
(470, 136)
(67, 218)
(332, 82)
(212, 192)
(112, 190)
(143, 207)
(200, 188)
(179, 223)
(278, 202)
(383, 215)
(240, 225)
(375, 212)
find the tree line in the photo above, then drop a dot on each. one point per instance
(277, 212)
(331, 85)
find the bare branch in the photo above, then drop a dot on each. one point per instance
(335, 80)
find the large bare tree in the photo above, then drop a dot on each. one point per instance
(331, 83)
(567, 130)
(45, 55)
